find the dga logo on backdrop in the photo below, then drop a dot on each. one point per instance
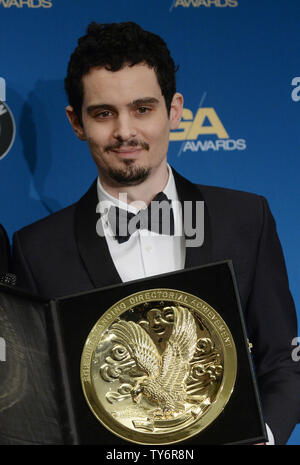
(207, 125)
(26, 3)
(205, 3)
(7, 123)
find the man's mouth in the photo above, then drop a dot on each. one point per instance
(128, 154)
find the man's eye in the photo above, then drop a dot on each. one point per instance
(143, 110)
(103, 114)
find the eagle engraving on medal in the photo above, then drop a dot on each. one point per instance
(164, 383)
(158, 368)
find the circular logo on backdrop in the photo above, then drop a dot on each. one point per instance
(7, 129)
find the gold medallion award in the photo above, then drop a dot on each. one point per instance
(158, 367)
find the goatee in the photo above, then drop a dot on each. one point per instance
(131, 175)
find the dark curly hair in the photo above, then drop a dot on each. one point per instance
(112, 46)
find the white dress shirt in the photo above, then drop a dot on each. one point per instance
(146, 253)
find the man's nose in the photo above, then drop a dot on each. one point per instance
(125, 128)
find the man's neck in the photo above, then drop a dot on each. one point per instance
(145, 192)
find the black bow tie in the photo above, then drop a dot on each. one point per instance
(158, 217)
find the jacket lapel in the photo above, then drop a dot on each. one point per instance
(93, 248)
(189, 192)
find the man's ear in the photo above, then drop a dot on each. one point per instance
(75, 123)
(176, 110)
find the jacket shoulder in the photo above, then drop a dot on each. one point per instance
(233, 200)
(235, 210)
(51, 225)
(4, 250)
(229, 194)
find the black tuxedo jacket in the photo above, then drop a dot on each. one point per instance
(62, 254)
(4, 251)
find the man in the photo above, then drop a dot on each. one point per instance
(123, 103)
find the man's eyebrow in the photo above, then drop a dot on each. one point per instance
(100, 106)
(145, 101)
(106, 106)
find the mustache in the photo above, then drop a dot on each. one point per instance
(130, 143)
